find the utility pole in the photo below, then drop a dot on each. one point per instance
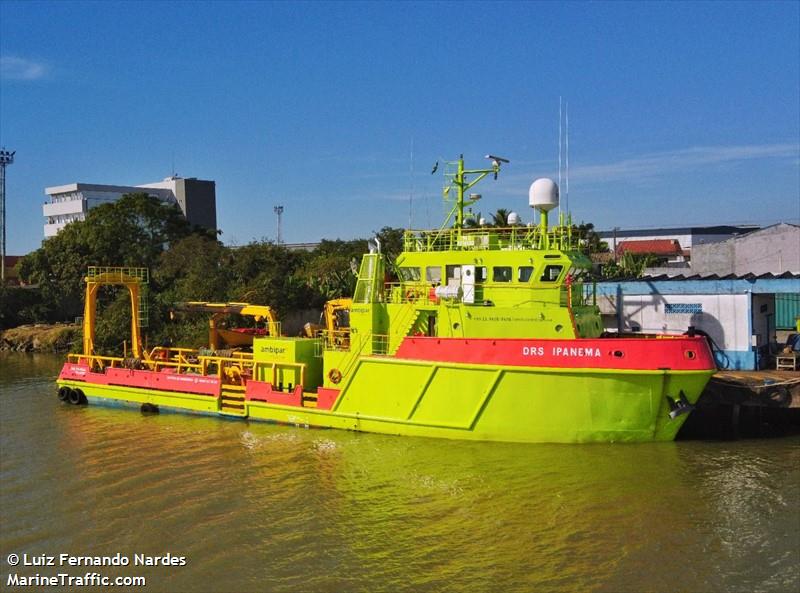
(279, 212)
(6, 158)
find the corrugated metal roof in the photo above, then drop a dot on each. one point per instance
(767, 276)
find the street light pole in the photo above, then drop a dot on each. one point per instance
(278, 211)
(6, 158)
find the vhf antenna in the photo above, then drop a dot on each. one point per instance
(560, 144)
(566, 200)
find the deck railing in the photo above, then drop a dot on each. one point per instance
(483, 238)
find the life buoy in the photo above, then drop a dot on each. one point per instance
(335, 375)
(411, 295)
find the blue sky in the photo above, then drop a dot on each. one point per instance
(680, 113)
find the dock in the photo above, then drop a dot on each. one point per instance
(747, 404)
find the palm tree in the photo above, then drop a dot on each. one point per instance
(472, 221)
(500, 218)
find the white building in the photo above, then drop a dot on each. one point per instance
(196, 199)
(771, 250)
(738, 313)
(688, 237)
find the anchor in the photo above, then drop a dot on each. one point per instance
(677, 408)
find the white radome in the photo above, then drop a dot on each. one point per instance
(543, 194)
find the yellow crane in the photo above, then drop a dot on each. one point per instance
(217, 335)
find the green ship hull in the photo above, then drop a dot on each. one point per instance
(456, 401)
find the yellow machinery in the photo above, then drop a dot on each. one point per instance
(336, 316)
(130, 278)
(216, 334)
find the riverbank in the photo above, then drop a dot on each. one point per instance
(59, 337)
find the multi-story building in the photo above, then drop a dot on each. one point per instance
(195, 197)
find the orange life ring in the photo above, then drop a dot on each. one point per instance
(412, 295)
(335, 375)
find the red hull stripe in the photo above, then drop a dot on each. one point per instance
(164, 381)
(680, 353)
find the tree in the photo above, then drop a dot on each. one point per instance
(268, 274)
(392, 241)
(629, 265)
(195, 268)
(500, 218)
(132, 231)
(589, 239)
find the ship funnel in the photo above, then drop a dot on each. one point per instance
(543, 194)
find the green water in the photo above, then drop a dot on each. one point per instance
(256, 507)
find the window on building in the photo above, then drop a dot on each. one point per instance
(683, 308)
(501, 273)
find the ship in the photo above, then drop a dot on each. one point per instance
(472, 332)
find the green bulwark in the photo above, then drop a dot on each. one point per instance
(291, 358)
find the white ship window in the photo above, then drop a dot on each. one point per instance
(480, 274)
(551, 273)
(501, 273)
(524, 273)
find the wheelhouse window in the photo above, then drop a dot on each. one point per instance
(433, 274)
(551, 273)
(501, 273)
(524, 273)
(409, 274)
(452, 272)
(480, 274)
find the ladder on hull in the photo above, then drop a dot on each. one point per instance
(232, 402)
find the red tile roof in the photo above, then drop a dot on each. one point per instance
(656, 246)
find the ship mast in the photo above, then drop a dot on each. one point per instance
(462, 186)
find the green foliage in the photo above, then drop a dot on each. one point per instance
(265, 273)
(500, 218)
(589, 239)
(113, 321)
(185, 265)
(629, 265)
(195, 268)
(472, 220)
(391, 241)
(20, 305)
(133, 231)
